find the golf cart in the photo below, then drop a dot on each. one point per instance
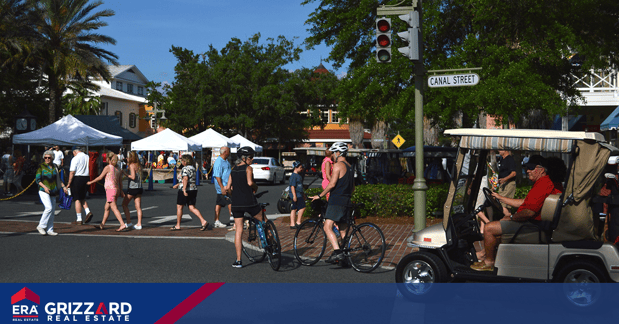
(564, 247)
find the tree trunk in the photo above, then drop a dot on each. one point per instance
(379, 141)
(430, 132)
(355, 127)
(53, 88)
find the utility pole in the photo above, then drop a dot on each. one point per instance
(412, 15)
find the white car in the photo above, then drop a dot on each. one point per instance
(268, 169)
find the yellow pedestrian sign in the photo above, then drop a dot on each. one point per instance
(398, 140)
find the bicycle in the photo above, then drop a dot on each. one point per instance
(261, 239)
(363, 245)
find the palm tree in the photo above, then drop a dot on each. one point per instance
(66, 45)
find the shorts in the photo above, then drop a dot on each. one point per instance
(78, 187)
(511, 227)
(8, 176)
(190, 200)
(300, 204)
(239, 212)
(222, 200)
(336, 213)
(110, 195)
(507, 190)
(135, 191)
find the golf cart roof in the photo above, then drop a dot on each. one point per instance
(521, 139)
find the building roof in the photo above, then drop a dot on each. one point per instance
(108, 92)
(333, 135)
(116, 70)
(108, 124)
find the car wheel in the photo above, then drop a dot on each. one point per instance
(581, 287)
(283, 178)
(417, 273)
(274, 181)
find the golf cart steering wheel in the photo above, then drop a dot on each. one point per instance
(495, 203)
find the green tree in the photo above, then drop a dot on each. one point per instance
(66, 45)
(81, 100)
(244, 88)
(524, 48)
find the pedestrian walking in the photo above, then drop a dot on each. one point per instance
(187, 192)
(7, 167)
(326, 169)
(297, 195)
(18, 170)
(221, 173)
(78, 177)
(58, 157)
(49, 183)
(242, 187)
(134, 190)
(113, 188)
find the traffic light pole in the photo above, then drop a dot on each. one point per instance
(419, 186)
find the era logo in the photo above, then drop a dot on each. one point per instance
(23, 304)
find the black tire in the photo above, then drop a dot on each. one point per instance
(274, 248)
(283, 179)
(281, 206)
(581, 287)
(416, 275)
(251, 243)
(309, 242)
(274, 182)
(366, 247)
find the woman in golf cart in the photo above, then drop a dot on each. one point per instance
(539, 171)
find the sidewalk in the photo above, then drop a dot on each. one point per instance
(395, 235)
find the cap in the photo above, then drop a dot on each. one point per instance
(534, 161)
(296, 164)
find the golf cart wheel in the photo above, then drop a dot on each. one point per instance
(281, 206)
(581, 287)
(417, 273)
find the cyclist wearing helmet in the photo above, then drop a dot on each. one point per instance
(241, 186)
(341, 186)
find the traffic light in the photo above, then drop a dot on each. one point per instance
(383, 40)
(412, 36)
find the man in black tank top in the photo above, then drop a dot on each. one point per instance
(341, 185)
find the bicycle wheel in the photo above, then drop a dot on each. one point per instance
(310, 242)
(366, 247)
(251, 243)
(274, 248)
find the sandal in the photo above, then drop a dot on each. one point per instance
(204, 227)
(173, 228)
(99, 227)
(124, 229)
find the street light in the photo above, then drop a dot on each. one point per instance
(155, 111)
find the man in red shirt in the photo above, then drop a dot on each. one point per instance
(529, 210)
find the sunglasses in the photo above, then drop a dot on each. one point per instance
(531, 168)
(47, 158)
(250, 157)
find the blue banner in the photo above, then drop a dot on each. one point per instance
(310, 303)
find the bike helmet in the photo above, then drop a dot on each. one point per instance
(339, 147)
(245, 151)
(296, 164)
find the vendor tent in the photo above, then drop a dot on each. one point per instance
(212, 139)
(166, 140)
(68, 131)
(242, 141)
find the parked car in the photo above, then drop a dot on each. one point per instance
(268, 169)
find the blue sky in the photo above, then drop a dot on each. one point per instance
(145, 30)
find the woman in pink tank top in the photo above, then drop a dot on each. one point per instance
(326, 169)
(113, 189)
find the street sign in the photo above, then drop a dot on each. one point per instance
(453, 80)
(398, 141)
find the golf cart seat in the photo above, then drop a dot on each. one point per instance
(530, 233)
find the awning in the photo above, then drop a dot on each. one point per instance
(611, 122)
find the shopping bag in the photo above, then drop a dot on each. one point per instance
(65, 200)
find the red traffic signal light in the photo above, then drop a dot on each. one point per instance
(383, 40)
(383, 25)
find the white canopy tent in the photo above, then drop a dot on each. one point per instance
(212, 139)
(68, 131)
(242, 141)
(166, 140)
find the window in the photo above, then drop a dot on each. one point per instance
(129, 88)
(140, 91)
(103, 109)
(132, 120)
(120, 117)
(334, 118)
(119, 86)
(325, 116)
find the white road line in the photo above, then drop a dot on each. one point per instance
(164, 219)
(125, 236)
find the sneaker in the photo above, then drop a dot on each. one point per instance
(219, 224)
(51, 233)
(335, 257)
(41, 230)
(137, 227)
(129, 225)
(237, 264)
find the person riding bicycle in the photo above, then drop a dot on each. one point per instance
(341, 186)
(242, 187)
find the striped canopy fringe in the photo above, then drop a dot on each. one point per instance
(517, 143)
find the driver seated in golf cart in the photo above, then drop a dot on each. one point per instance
(546, 175)
(562, 246)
